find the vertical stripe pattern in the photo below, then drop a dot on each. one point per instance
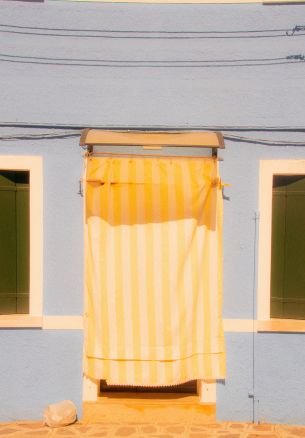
(153, 270)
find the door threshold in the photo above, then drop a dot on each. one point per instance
(148, 408)
(149, 397)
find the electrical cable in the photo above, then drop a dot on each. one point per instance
(290, 59)
(159, 37)
(120, 61)
(149, 65)
(70, 134)
(188, 127)
(145, 31)
(254, 306)
(264, 141)
(39, 136)
(153, 34)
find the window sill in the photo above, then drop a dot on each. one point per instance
(281, 325)
(58, 322)
(20, 321)
(268, 325)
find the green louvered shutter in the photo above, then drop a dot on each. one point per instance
(14, 242)
(288, 247)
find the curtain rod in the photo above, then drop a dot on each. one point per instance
(111, 154)
(119, 154)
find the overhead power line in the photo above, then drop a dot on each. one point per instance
(77, 132)
(76, 127)
(141, 36)
(297, 30)
(263, 141)
(113, 63)
(41, 136)
(154, 61)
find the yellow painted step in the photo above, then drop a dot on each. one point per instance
(148, 408)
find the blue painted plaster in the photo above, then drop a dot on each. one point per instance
(62, 222)
(269, 366)
(233, 402)
(280, 378)
(240, 169)
(261, 95)
(38, 367)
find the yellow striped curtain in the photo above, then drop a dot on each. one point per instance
(153, 270)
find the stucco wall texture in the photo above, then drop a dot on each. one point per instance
(43, 366)
(38, 367)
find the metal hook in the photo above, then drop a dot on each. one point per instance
(294, 30)
(226, 198)
(298, 57)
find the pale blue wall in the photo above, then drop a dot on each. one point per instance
(280, 378)
(263, 95)
(233, 402)
(62, 220)
(38, 367)
(150, 97)
(240, 169)
(278, 381)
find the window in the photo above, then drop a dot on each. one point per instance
(21, 238)
(288, 247)
(14, 237)
(281, 275)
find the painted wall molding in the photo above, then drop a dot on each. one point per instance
(71, 322)
(75, 322)
(239, 325)
(58, 322)
(20, 321)
(268, 325)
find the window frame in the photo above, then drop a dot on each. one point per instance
(269, 168)
(32, 164)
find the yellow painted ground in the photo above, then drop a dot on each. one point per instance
(140, 416)
(148, 408)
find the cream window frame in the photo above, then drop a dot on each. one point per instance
(268, 168)
(32, 164)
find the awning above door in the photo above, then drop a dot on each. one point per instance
(91, 137)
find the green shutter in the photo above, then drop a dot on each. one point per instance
(14, 238)
(288, 247)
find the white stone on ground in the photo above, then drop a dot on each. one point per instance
(60, 414)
